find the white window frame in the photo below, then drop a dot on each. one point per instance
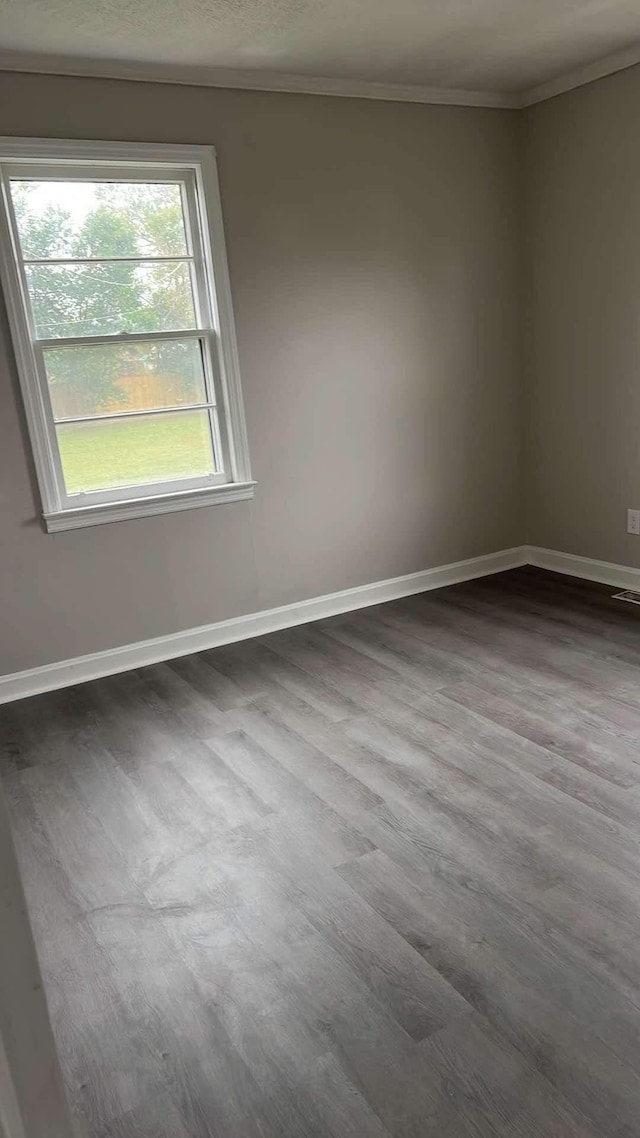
(195, 168)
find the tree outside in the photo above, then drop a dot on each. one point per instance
(111, 220)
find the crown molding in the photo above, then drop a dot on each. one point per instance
(287, 83)
(608, 65)
(284, 82)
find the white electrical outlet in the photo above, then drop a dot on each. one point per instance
(633, 521)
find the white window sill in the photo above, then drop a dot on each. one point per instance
(97, 515)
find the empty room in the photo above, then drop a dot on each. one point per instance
(320, 569)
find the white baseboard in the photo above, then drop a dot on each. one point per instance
(607, 572)
(61, 674)
(17, 685)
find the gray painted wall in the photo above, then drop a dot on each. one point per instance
(374, 263)
(583, 388)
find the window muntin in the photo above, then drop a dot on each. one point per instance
(114, 269)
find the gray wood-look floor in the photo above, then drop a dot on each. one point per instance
(376, 876)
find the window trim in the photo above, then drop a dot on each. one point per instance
(223, 351)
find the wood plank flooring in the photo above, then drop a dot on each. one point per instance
(376, 877)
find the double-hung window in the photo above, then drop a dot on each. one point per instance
(115, 274)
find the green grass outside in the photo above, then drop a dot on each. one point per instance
(98, 455)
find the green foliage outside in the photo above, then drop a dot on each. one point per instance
(126, 451)
(123, 220)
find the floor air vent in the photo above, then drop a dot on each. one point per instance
(627, 595)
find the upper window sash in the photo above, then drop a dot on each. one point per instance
(195, 255)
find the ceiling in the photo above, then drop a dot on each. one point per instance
(501, 48)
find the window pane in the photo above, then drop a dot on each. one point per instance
(128, 452)
(108, 299)
(104, 379)
(99, 219)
